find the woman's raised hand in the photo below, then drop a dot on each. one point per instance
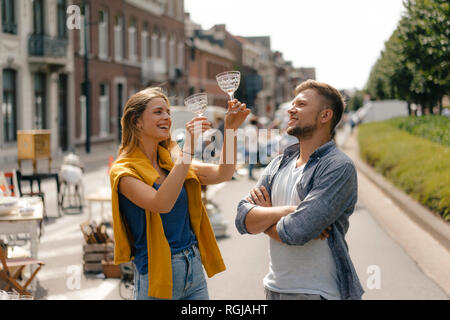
(194, 129)
(236, 114)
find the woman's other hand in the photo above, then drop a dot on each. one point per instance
(194, 129)
(236, 114)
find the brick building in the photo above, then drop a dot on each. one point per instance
(207, 56)
(132, 44)
(36, 73)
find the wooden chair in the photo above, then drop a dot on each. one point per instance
(11, 281)
(31, 179)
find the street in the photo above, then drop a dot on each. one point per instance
(385, 269)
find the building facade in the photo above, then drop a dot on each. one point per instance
(207, 57)
(126, 45)
(132, 44)
(37, 73)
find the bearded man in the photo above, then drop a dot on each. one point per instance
(303, 201)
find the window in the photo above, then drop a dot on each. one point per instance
(170, 8)
(82, 113)
(118, 38)
(63, 93)
(180, 55)
(172, 53)
(103, 51)
(163, 41)
(38, 17)
(61, 12)
(180, 10)
(9, 17)
(132, 40)
(9, 105)
(84, 30)
(104, 110)
(144, 42)
(40, 112)
(155, 42)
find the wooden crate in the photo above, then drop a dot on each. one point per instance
(98, 247)
(93, 254)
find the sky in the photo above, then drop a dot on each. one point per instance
(342, 39)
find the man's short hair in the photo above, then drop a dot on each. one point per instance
(333, 98)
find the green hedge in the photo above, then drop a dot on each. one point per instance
(416, 165)
(431, 127)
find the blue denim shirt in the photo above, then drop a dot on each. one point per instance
(328, 193)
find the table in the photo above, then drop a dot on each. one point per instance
(16, 224)
(102, 196)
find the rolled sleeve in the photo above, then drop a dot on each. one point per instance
(243, 209)
(330, 197)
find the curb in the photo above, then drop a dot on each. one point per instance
(428, 220)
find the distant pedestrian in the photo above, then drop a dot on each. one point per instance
(304, 195)
(251, 132)
(159, 219)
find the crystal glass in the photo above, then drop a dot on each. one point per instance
(197, 103)
(229, 82)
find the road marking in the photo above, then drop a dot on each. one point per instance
(46, 274)
(96, 293)
(60, 252)
(75, 235)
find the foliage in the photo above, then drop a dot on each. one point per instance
(433, 128)
(356, 101)
(415, 63)
(418, 166)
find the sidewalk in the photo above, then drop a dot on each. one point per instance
(424, 239)
(97, 157)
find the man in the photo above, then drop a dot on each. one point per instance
(305, 194)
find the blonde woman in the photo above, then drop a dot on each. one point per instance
(159, 219)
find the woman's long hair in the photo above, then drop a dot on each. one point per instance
(134, 108)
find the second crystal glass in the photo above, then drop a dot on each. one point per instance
(197, 103)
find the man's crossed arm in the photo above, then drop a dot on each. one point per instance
(264, 217)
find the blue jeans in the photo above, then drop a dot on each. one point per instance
(189, 282)
(272, 295)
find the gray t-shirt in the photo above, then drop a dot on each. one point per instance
(306, 269)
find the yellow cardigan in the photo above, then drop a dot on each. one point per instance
(137, 165)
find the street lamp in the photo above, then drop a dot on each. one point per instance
(86, 80)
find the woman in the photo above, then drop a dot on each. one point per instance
(158, 214)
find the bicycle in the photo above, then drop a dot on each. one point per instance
(126, 285)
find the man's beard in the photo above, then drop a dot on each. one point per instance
(304, 132)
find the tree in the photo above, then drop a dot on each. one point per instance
(356, 101)
(414, 65)
(425, 35)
